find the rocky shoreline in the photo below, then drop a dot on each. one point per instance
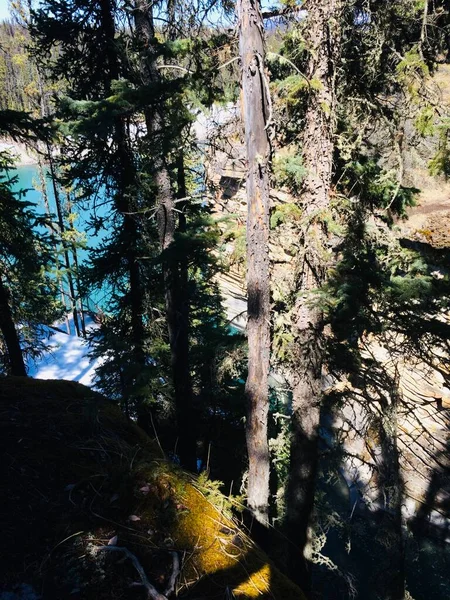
(23, 154)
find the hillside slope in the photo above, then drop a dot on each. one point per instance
(76, 476)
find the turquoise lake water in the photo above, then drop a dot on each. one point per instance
(427, 560)
(28, 184)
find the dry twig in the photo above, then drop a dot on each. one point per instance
(152, 592)
(173, 577)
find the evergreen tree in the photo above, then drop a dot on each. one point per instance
(322, 41)
(127, 133)
(27, 290)
(174, 275)
(93, 117)
(354, 74)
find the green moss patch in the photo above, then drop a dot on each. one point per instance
(77, 476)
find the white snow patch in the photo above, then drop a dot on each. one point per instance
(67, 358)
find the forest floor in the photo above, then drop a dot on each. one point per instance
(429, 221)
(91, 510)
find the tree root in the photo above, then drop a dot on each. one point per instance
(173, 577)
(152, 592)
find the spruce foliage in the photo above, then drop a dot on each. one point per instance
(28, 288)
(109, 94)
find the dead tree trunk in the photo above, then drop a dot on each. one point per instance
(322, 34)
(174, 274)
(61, 225)
(52, 229)
(8, 329)
(256, 117)
(76, 265)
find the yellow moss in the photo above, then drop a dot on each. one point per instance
(199, 529)
(222, 553)
(219, 556)
(95, 451)
(256, 585)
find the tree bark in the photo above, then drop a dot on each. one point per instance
(9, 333)
(59, 213)
(77, 270)
(174, 272)
(256, 115)
(322, 34)
(179, 325)
(126, 178)
(51, 227)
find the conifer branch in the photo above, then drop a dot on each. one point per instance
(289, 62)
(183, 69)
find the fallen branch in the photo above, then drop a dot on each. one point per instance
(152, 592)
(175, 67)
(284, 59)
(175, 572)
(229, 62)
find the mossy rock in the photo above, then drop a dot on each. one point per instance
(76, 474)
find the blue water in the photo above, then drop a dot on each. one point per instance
(28, 184)
(426, 560)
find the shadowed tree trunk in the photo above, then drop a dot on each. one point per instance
(126, 179)
(62, 229)
(9, 333)
(76, 265)
(389, 577)
(174, 271)
(52, 229)
(323, 43)
(256, 115)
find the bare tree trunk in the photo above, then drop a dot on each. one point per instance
(9, 333)
(77, 272)
(255, 111)
(126, 180)
(180, 331)
(323, 43)
(171, 18)
(52, 229)
(59, 213)
(44, 114)
(174, 274)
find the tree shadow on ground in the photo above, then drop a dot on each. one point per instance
(360, 492)
(388, 317)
